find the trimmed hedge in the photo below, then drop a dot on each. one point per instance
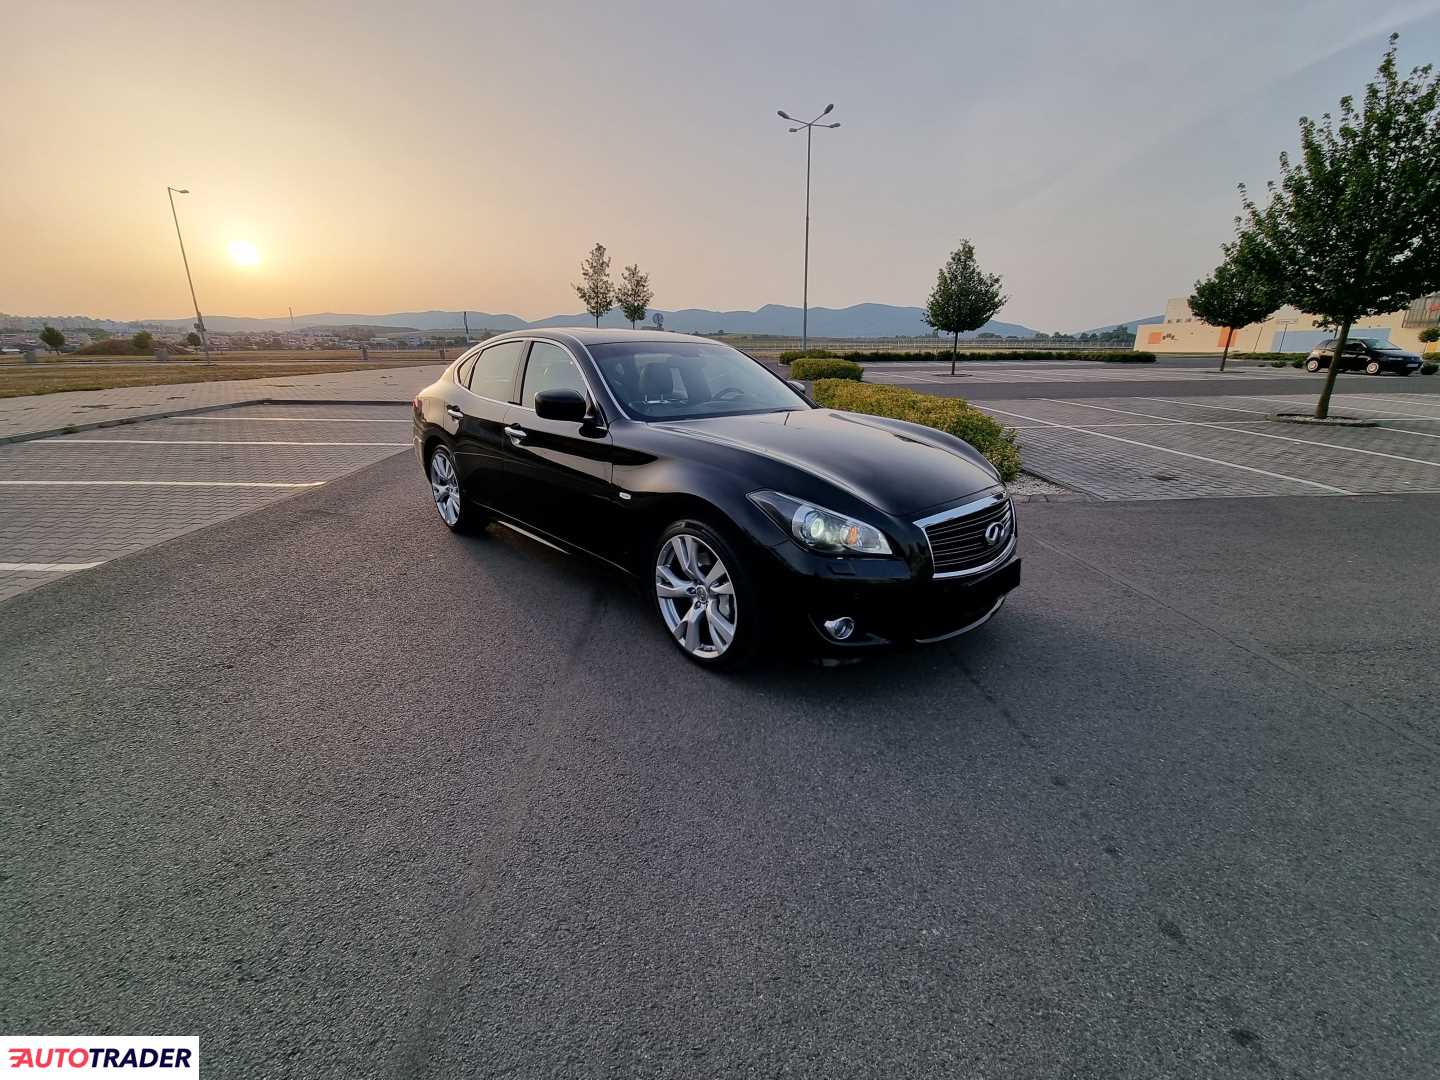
(1429, 367)
(1286, 357)
(818, 368)
(1112, 356)
(789, 356)
(953, 415)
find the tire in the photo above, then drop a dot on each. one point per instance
(1373, 368)
(1312, 365)
(457, 515)
(695, 605)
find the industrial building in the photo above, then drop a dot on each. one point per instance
(1288, 330)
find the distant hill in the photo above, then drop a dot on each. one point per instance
(856, 321)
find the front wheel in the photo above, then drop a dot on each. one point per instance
(1373, 368)
(1312, 365)
(704, 596)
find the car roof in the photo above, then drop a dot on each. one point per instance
(590, 335)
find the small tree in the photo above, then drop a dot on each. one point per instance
(597, 291)
(634, 294)
(1239, 292)
(143, 341)
(192, 339)
(52, 339)
(1353, 227)
(964, 298)
(1431, 335)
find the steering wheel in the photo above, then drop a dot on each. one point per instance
(719, 395)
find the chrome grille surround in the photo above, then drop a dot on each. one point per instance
(956, 537)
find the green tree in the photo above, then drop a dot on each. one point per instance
(1431, 335)
(192, 339)
(52, 339)
(1352, 228)
(964, 298)
(143, 341)
(634, 294)
(1237, 293)
(597, 291)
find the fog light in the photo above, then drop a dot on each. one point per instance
(840, 629)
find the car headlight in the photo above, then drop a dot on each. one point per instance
(820, 529)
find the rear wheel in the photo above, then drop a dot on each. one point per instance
(704, 596)
(1312, 365)
(1373, 368)
(445, 490)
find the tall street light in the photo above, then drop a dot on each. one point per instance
(809, 128)
(199, 319)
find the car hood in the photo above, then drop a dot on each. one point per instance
(897, 471)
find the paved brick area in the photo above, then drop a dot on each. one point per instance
(1163, 447)
(70, 502)
(1034, 371)
(52, 412)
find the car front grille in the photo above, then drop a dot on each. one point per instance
(958, 541)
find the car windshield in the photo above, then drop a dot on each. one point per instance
(683, 380)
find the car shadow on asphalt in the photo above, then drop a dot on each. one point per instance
(631, 635)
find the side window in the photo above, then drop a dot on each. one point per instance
(462, 373)
(550, 368)
(494, 372)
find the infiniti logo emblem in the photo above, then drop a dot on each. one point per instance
(994, 533)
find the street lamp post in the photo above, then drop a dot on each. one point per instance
(808, 128)
(1284, 326)
(199, 319)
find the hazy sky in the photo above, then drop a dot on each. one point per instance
(387, 157)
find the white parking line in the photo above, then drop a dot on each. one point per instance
(210, 442)
(289, 419)
(1308, 403)
(1219, 408)
(158, 483)
(1168, 450)
(1255, 434)
(49, 567)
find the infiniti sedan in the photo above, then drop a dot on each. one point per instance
(749, 515)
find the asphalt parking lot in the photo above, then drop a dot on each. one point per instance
(349, 795)
(73, 502)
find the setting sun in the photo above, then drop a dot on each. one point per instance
(244, 253)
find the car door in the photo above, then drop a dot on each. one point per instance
(1357, 355)
(559, 474)
(479, 411)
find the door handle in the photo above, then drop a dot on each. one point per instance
(455, 411)
(516, 432)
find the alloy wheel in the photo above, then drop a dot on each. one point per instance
(444, 487)
(696, 596)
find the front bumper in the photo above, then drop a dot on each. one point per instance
(890, 606)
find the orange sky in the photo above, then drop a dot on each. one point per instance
(451, 155)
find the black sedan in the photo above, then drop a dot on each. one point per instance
(750, 514)
(1371, 357)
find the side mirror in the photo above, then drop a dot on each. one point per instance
(567, 405)
(796, 385)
